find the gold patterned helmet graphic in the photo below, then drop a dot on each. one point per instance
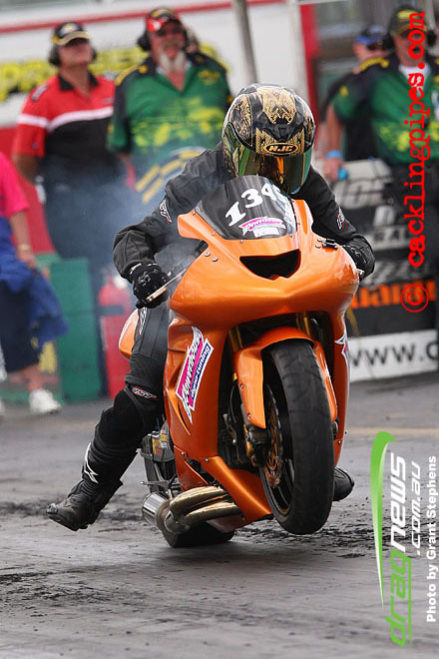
(269, 130)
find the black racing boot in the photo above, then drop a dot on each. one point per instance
(113, 448)
(83, 504)
(343, 484)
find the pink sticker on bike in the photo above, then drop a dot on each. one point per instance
(197, 356)
(263, 226)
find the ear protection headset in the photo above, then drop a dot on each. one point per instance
(388, 43)
(53, 57)
(145, 43)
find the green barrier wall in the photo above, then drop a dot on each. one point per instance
(77, 350)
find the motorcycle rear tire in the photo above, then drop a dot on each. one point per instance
(298, 476)
(199, 536)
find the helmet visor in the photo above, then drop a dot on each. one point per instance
(288, 172)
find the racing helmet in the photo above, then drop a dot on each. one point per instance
(269, 130)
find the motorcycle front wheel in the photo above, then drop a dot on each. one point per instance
(298, 474)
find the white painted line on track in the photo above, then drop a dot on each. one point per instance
(397, 431)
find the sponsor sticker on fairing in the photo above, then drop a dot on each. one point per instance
(263, 226)
(197, 356)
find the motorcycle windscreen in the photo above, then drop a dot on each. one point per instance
(248, 208)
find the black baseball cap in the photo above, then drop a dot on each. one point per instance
(66, 32)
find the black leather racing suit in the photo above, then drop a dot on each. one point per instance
(204, 174)
(134, 411)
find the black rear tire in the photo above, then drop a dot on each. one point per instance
(298, 476)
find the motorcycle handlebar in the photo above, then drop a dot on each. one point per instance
(162, 289)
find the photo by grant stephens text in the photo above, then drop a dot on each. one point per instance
(431, 551)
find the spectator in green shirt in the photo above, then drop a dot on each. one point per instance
(383, 86)
(169, 108)
(358, 140)
(401, 93)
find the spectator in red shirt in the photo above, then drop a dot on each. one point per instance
(60, 136)
(21, 286)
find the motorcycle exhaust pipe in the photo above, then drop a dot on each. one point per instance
(211, 511)
(186, 501)
(151, 505)
(214, 510)
(182, 503)
(188, 509)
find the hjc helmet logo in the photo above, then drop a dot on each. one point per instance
(281, 149)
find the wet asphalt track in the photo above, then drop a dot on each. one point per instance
(117, 590)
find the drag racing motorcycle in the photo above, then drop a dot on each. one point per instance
(257, 374)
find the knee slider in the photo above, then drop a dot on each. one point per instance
(129, 417)
(142, 399)
(146, 404)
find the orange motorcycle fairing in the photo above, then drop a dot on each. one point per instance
(217, 294)
(243, 298)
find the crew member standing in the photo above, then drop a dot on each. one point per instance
(168, 109)
(358, 142)
(61, 137)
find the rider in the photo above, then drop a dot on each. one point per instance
(268, 130)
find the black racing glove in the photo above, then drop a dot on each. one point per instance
(361, 253)
(146, 278)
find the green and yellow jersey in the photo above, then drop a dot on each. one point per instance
(160, 126)
(383, 89)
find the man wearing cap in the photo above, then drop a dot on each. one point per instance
(61, 137)
(358, 140)
(169, 108)
(382, 88)
(401, 93)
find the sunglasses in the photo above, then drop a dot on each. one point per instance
(406, 34)
(378, 45)
(75, 42)
(168, 31)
